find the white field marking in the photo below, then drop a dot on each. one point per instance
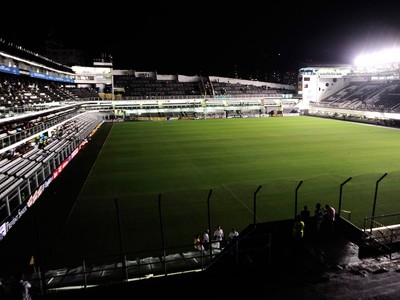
(237, 198)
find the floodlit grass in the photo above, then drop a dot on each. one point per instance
(161, 174)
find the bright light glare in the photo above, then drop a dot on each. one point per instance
(378, 58)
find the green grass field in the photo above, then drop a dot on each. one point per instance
(177, 164)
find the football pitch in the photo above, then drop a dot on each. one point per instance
(156, 184)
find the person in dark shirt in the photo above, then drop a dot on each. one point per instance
(305, 213)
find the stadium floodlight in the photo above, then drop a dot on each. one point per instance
(382, 57)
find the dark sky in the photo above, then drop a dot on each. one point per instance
(203, 38)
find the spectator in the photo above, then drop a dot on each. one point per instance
(319, 218)
(298, 234)
(298, 228)
(305, 214)
(25, 287)
(197, 242)
(305, 217)
(233, 234)
(219, 237)
(206, 239)
(19, 288)
(329, 217)
(2, 289)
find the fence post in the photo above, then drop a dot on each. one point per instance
(340, 194)
(255, 205)
(295, 198)
(376, 193)
(84, 273)
(209, 222)
(162, 233)
(121, 245)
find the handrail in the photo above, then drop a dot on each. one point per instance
(348, 212)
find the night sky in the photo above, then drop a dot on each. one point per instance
(205, 39)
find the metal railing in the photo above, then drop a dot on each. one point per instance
(97, 271)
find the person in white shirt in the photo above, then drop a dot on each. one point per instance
(233, 234)
(206, 239)
(219, 237)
